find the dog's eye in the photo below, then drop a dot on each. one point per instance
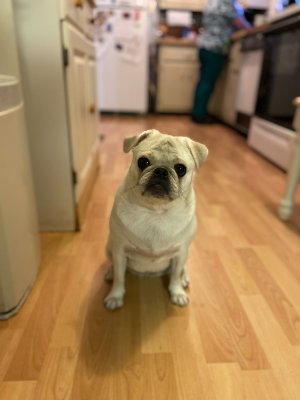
(143, 163)
(180, 170)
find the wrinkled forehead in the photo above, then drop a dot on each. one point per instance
(164, 147)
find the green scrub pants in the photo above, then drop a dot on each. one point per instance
(210, 69)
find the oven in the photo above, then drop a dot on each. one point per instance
(271, 131)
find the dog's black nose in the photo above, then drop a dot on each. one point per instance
(160, 172)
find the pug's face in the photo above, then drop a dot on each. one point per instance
(162, 166)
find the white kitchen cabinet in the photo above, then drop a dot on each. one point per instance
(223, 100)
(59, 76)
(216, 101)
(178, 74)
(228, 108)
(193, 5)
(81, 90)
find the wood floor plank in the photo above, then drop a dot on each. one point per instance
(191, 369)
(30, 354)
(110, 350)
(261, 385)
(291, 261)
(281, 274)
(159, 377)
(56, 378)
(233, 232)
(154, 316)
(237, 339)
(17, 390)
(227, 381)
(242, 344)
(284, 361)
(234, 267)
(9, 341)
(290, 237)
(69, 323)
(282, 309)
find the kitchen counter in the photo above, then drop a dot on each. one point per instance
(172, 41)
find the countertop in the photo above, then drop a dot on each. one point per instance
(172, 41)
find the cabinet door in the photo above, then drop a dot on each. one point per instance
(72, 10)
(228, 112)
(176, 86)
(88, 20)
(193, 5)
(91, 96)
(81, 85)
(216, 101)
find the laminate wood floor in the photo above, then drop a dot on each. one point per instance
(239, 338)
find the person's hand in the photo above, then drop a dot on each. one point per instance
(239, 34)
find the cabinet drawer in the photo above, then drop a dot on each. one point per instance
(178, 53)
(193, 5)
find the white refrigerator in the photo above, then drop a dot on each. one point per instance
(19, 241)
(123, 55)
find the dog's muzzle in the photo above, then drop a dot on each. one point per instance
(159, 183)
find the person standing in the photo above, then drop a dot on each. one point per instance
(220, 19)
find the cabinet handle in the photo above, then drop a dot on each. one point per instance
(92, 109)
(79, 3)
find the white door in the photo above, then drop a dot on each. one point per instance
(91, 97)
(81, 91)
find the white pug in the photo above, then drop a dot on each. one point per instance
(153, 218)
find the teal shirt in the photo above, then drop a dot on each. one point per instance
(217, 24)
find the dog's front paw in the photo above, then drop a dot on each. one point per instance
(109, 276)
(185, 281)
(179, 298)
(113, 302)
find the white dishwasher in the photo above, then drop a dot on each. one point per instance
(19, 247)
(252, 53)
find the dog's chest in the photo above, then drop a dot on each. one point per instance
(153, 231)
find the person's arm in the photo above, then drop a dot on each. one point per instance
(241, 23)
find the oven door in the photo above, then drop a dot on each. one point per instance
(280, 78)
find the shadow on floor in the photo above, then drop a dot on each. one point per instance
(112, 340)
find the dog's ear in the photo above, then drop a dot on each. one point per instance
(198, 151)
(131, 142)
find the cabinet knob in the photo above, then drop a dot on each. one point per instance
(92, 109)
(78, 3)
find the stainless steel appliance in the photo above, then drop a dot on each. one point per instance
(271, 131)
